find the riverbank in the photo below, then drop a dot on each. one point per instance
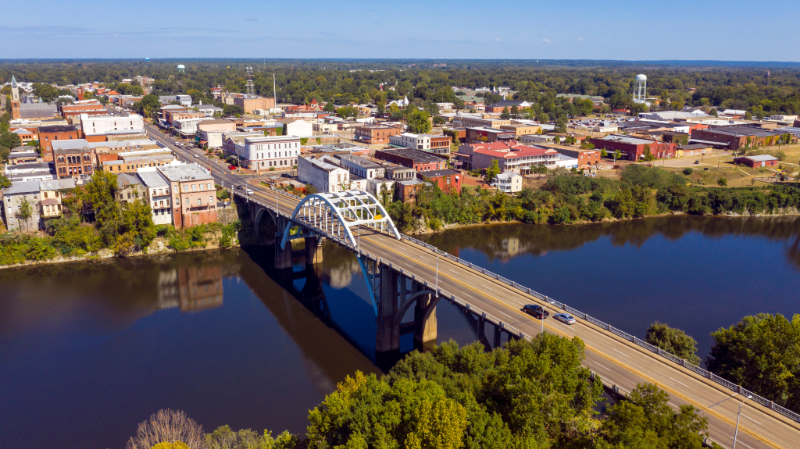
(27, 250)
(791, 212)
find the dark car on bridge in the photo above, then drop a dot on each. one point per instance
(536, 310)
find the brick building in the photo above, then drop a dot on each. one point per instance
(735, 137)
(370, 134)
(584, 157)
(633, 147)
(49, 134)
(478, 135)
(416, 159)
(193, 194)
(73, 159)
(448, 180)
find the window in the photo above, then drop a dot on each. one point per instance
(210, 200)
(199, 202)
(194, 187)
(187, 202)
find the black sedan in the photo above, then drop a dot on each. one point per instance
(536, 310)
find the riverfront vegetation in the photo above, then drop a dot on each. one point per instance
(529, 394)
(93, 219)
(760, 353)
(570, 198)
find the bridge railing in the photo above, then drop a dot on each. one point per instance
(618, 332)
(577, 313)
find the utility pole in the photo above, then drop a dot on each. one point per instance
(736, 432)
(274, 92)
(437, 274)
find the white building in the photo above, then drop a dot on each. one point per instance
(379, 185)
(262, 153)
(184, 100)
(299, 128)
(566, 161)
(508, 182)
(158, 194)
(323, 173)
(361, 167)
(187, 126)
(21, 200)
(93, 125)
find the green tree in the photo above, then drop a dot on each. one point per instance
(25, 211)
(761, 353)
(723, 182)
(418, 122)
(674, 341)
(617, 155)
(346, 112)
(147, 106)
(366, 412)
(492, 171)
(561, 124)
(603, 153)
(10, 140)
(329, 107)
(4, 182)
(647, 420)
(505, 115)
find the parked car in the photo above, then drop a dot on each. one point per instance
(196, 155)
(248, 192)
(564, 318)
(231, 167)
(536, 310)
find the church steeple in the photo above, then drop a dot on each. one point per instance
(14, 99)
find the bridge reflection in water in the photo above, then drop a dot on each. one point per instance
(334, 291)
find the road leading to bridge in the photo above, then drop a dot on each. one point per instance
(616, 360)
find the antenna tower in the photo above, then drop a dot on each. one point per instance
(766, 78)
(250, 88)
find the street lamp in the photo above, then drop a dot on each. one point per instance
(437, 274)
(736, 432)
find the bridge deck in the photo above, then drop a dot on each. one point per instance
(616, 360)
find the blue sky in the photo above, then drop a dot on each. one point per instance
(575, 29)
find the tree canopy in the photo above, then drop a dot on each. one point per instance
(761, 353)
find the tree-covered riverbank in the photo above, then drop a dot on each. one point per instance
(95, 223)
(567, 199)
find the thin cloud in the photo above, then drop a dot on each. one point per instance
(580, 39)
(498, 39)
(547, 41)
(251, 19)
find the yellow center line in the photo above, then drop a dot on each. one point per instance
(592, 348)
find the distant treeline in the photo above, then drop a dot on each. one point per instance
(742, 86)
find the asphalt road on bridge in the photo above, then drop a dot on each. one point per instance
(616, 360)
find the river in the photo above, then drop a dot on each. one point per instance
(88, 350)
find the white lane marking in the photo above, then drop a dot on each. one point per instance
(601, 366)
(626, 355)
(739, 442)
(751, 419)
(679, 382)
(670, 403)
(487, 286)
(507, 315)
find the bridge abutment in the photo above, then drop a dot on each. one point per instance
(283, 256)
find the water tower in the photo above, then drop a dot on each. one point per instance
(181, 68)
(146, 59)
(640, 89)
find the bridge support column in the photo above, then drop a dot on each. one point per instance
(283, 256)
(313, 250)
(427, 328)
(388, 334)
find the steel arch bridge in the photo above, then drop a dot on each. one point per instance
(336, 214)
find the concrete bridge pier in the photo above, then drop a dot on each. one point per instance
(283, 256)
(388, 334)
(396, 294)
(313, 250)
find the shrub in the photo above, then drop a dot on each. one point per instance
(722, 182)
(688, 171)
